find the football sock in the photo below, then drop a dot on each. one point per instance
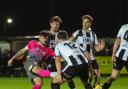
(106, 86)
(88, 86)
(44, 73)
(55, 86)
(36, 87)
(53, 74)
(71, 84)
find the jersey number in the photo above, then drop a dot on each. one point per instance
(70, 45)
(126, 36)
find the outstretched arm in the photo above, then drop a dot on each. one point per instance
(18, 54)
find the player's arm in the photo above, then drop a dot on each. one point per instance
(58, 68)
(18, 54)
(58, 64)
(71, 38)
(115, 47)
(74, 36)
(58, 59)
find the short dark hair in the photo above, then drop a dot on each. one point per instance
(62, 35)
(56, 19)
(89, 17)
(44, 33)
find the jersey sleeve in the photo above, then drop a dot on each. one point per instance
(96, 40)
(120, 32)
(31, 44)
(74, 34)
(51, 53)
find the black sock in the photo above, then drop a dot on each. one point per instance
(106, 86)
(88, 86)
(55, 86)
(71, 84)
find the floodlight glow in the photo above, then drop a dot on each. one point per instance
(9, 20)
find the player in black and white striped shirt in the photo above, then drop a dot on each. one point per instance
(87, 39)
(55, 23)
(74, 56)
(119, 55)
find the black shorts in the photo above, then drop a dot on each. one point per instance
(95, 64)
(120, 64)
(79, 70)
(50, 64)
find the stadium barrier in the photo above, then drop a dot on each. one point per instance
(105, 65)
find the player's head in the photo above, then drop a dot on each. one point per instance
(87, 21)
(55, 23)
(62, 35)
(44, 37)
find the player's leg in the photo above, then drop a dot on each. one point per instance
(55, 84)
(70, 81)
(41, 72)
(50, 65)
(117, 67)
(97, 77)
(115, 74)
(96, 73)
(84, 75)
(71, 84)
(37, 83)
(126, 65)
(68, 73)
(36, 80)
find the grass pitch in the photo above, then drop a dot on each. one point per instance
(24, 83)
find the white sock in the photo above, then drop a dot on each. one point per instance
(53, 74)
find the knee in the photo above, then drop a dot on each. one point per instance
(38, 81)
(113, 78)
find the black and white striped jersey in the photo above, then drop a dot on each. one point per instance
(71, 52)
(53, 40)
(122, 51)
(87, 40)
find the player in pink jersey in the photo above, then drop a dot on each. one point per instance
(37, 52)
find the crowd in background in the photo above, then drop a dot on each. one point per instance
(6, 70)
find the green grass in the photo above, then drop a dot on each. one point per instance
(105, 64)
(24, 83)
(105, 67)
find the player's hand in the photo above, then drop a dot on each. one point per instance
(10, 62)
(59, 79)
(101, 44)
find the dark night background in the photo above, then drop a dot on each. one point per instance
(32, 16)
